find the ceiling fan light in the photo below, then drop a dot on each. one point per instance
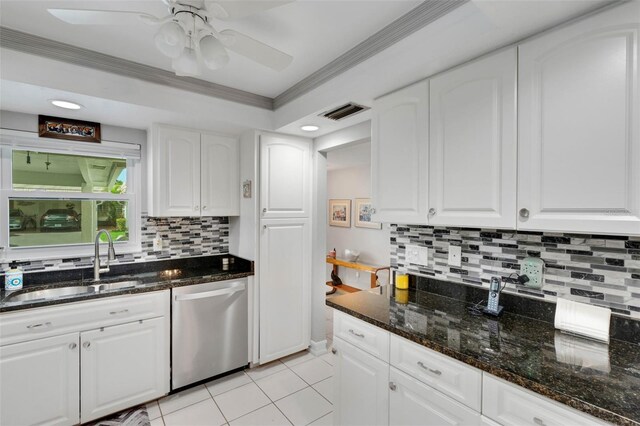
(214, 55)
(170, 39)
(186, 65)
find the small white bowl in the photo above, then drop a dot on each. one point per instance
(351, 255)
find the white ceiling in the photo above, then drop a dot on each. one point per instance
(314, 32)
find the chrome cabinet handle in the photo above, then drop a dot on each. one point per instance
(72, 346)
(356, 334)
(524, 213)
(432, 211)
(334, 351)
(538, 421)
(86, 345)
(43, 324)
(392, 386)
(124, 311)
(436, 372)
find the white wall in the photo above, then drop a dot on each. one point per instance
(349, 176)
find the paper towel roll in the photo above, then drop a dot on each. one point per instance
(585, 320)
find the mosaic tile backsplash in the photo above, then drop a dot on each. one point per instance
(182, 237)
(596, 269)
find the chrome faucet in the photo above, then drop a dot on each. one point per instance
(111, 255)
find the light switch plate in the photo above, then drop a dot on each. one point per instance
(455, 255)
(417, 255)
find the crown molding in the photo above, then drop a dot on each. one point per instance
(40, 46)
(412, 21)
(422, 15)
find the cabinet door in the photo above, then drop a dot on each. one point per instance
(44, 372)
(176, 173)
(473, 144)
(123, 365)
(413, 403)
(579, 125)
(285, 277)
(285, 189)
(360, 387)
(399, 151)
(220, 183)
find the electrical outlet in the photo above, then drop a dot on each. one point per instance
(417, 255)
(455, 255)
(533, 268)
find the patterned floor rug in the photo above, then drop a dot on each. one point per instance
(136, 416)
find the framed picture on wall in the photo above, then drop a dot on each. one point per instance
(363, 214)
(66, 128)
(340, 213)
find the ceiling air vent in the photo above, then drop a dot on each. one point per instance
(344, 111)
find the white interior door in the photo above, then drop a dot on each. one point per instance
(473, 144)
(220, 171)
(360, 387)
(285, 176)
(124, 365)
(579, 125)
(45, 371)
(285, 279)
(399, 155)
(176, 173)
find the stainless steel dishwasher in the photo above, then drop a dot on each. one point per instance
(209, 332)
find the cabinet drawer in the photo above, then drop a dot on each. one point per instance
(414, 403)
(509, 404)
(453, 378)
(365, 336)
(51, 321)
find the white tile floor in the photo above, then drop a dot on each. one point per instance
(294, 390)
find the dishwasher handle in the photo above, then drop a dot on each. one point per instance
(213, 293)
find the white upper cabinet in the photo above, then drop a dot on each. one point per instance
(579, 126)
(473, 144)
(285, 189)
(220, 183)
(175, 165)
(193, 173)
(399, 151)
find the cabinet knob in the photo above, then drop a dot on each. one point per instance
(204, 207)
(334, 351)
(86, 345)
(392, 386)
(196, 208)
(538, 421)
(72, 345)
(264, 210)
(524, 213)
(432, 211)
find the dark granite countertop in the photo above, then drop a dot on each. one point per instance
(595, 378)
(152, 276)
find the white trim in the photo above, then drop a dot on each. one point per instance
(28, 140)
(318, 348)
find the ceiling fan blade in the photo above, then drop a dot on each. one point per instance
(228, 10)
(255, 50)
(101, 17)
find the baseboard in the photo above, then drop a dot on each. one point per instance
(318, 348)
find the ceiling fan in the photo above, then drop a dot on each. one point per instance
(187, 36)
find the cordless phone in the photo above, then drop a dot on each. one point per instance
(493, 302)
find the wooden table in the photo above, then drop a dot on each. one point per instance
(373, 270)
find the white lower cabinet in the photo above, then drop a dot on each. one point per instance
(361, 387)
(39, 382)
(86, 370)
(122, 366)
(411, 403)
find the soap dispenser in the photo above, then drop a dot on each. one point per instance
(13, 277)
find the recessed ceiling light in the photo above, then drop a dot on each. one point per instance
(309, 128)
(65, 104)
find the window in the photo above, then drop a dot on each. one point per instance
(54, 202)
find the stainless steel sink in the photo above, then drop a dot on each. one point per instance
(114, 286)
(49, 293)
